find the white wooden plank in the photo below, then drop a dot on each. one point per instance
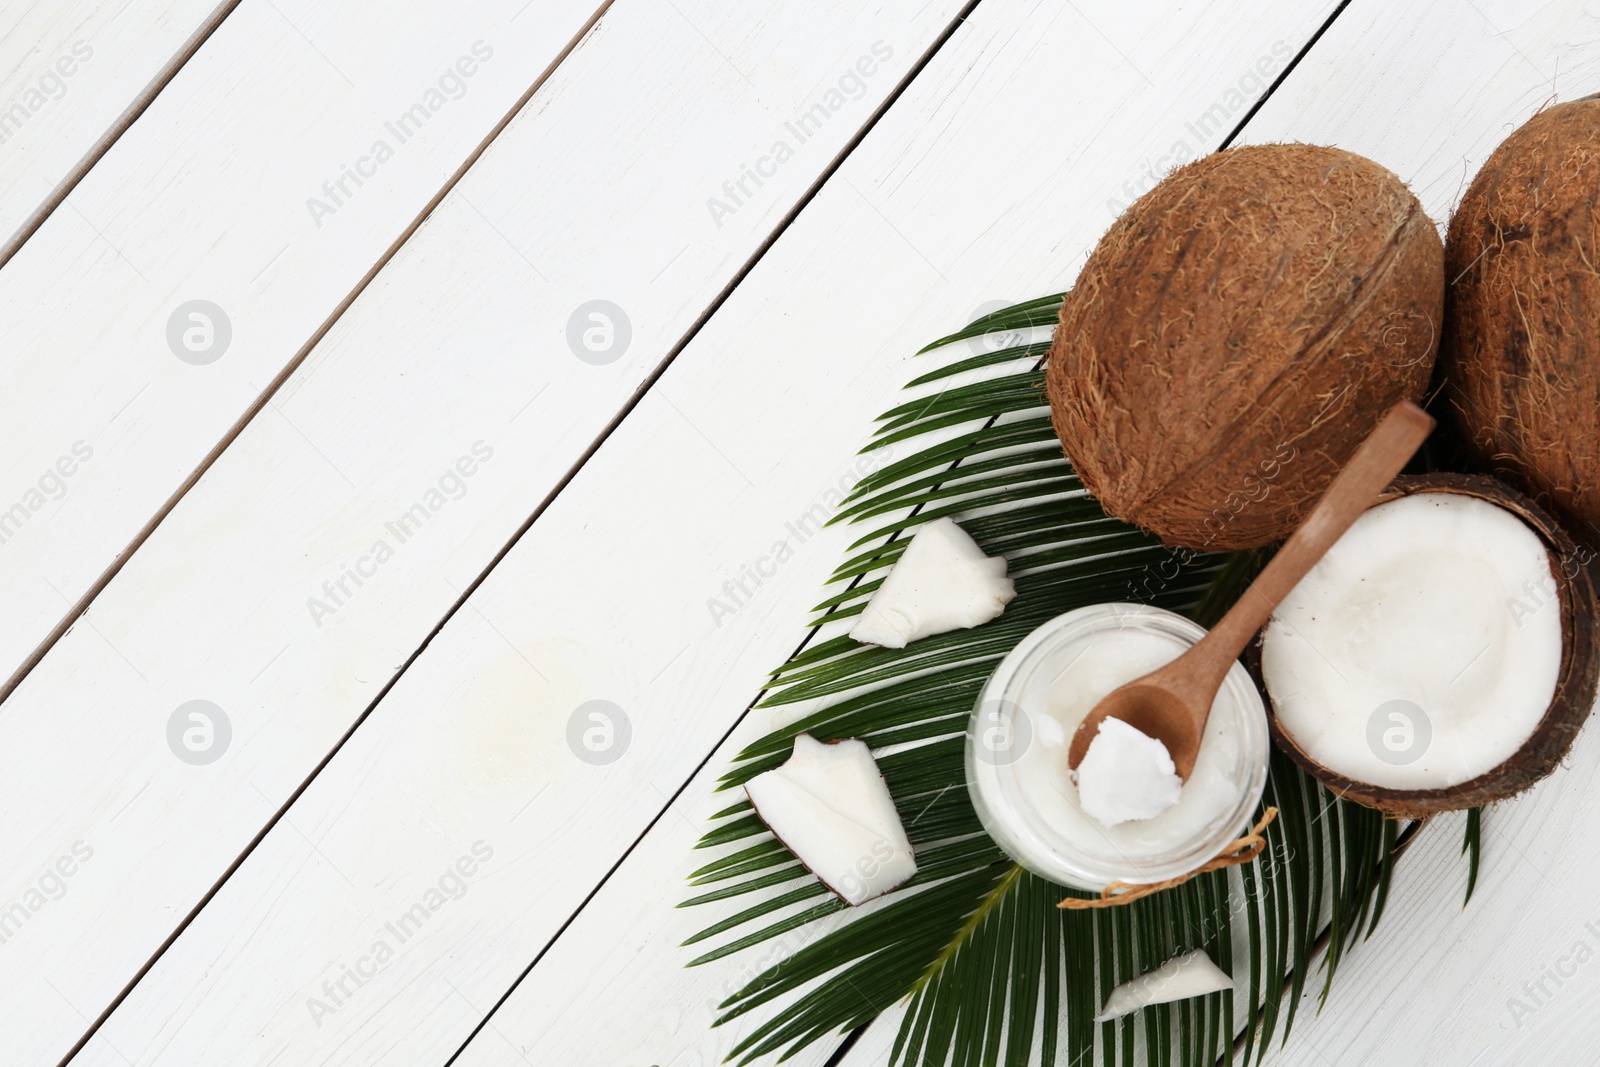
(217, 194)
(952, 202)
(458, 351)
(72, 73)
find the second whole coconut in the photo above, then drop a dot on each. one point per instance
(1236, 334)
(1521, 348)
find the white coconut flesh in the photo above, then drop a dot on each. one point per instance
(1423, 649)
(831, 807)
(1126, 775)
(1189, 975)
(942, 581)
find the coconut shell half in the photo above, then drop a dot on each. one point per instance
(1237, 333)
(1575, 685)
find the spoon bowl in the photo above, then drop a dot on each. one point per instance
(1156, 709)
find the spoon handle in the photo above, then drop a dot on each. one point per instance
(1381, 456)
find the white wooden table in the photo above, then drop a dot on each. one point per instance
(398, 378)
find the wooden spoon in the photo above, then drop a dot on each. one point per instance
(1172, 704)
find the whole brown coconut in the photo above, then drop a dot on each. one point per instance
(1576, 683)
(1237, 332)
(1521, 345)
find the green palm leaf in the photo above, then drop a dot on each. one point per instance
(991, 971)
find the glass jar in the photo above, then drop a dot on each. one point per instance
(1025, 716)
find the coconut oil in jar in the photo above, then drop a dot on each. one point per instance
(1025, 717)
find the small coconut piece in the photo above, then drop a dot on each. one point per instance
(1521, 346)
(942, 581)
(830, 806)
(1126, 775)
(1440, 656)
(1190, 975)
(1237, 333)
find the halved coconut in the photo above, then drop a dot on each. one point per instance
(1442, 655)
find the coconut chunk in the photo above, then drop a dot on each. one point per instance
(1423, 650)
(942, 582)
(831, 807)
(1190, 975)
(1126, 775)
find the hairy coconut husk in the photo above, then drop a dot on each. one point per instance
(1235, 335)
(1521, 345)
(1575, 684)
